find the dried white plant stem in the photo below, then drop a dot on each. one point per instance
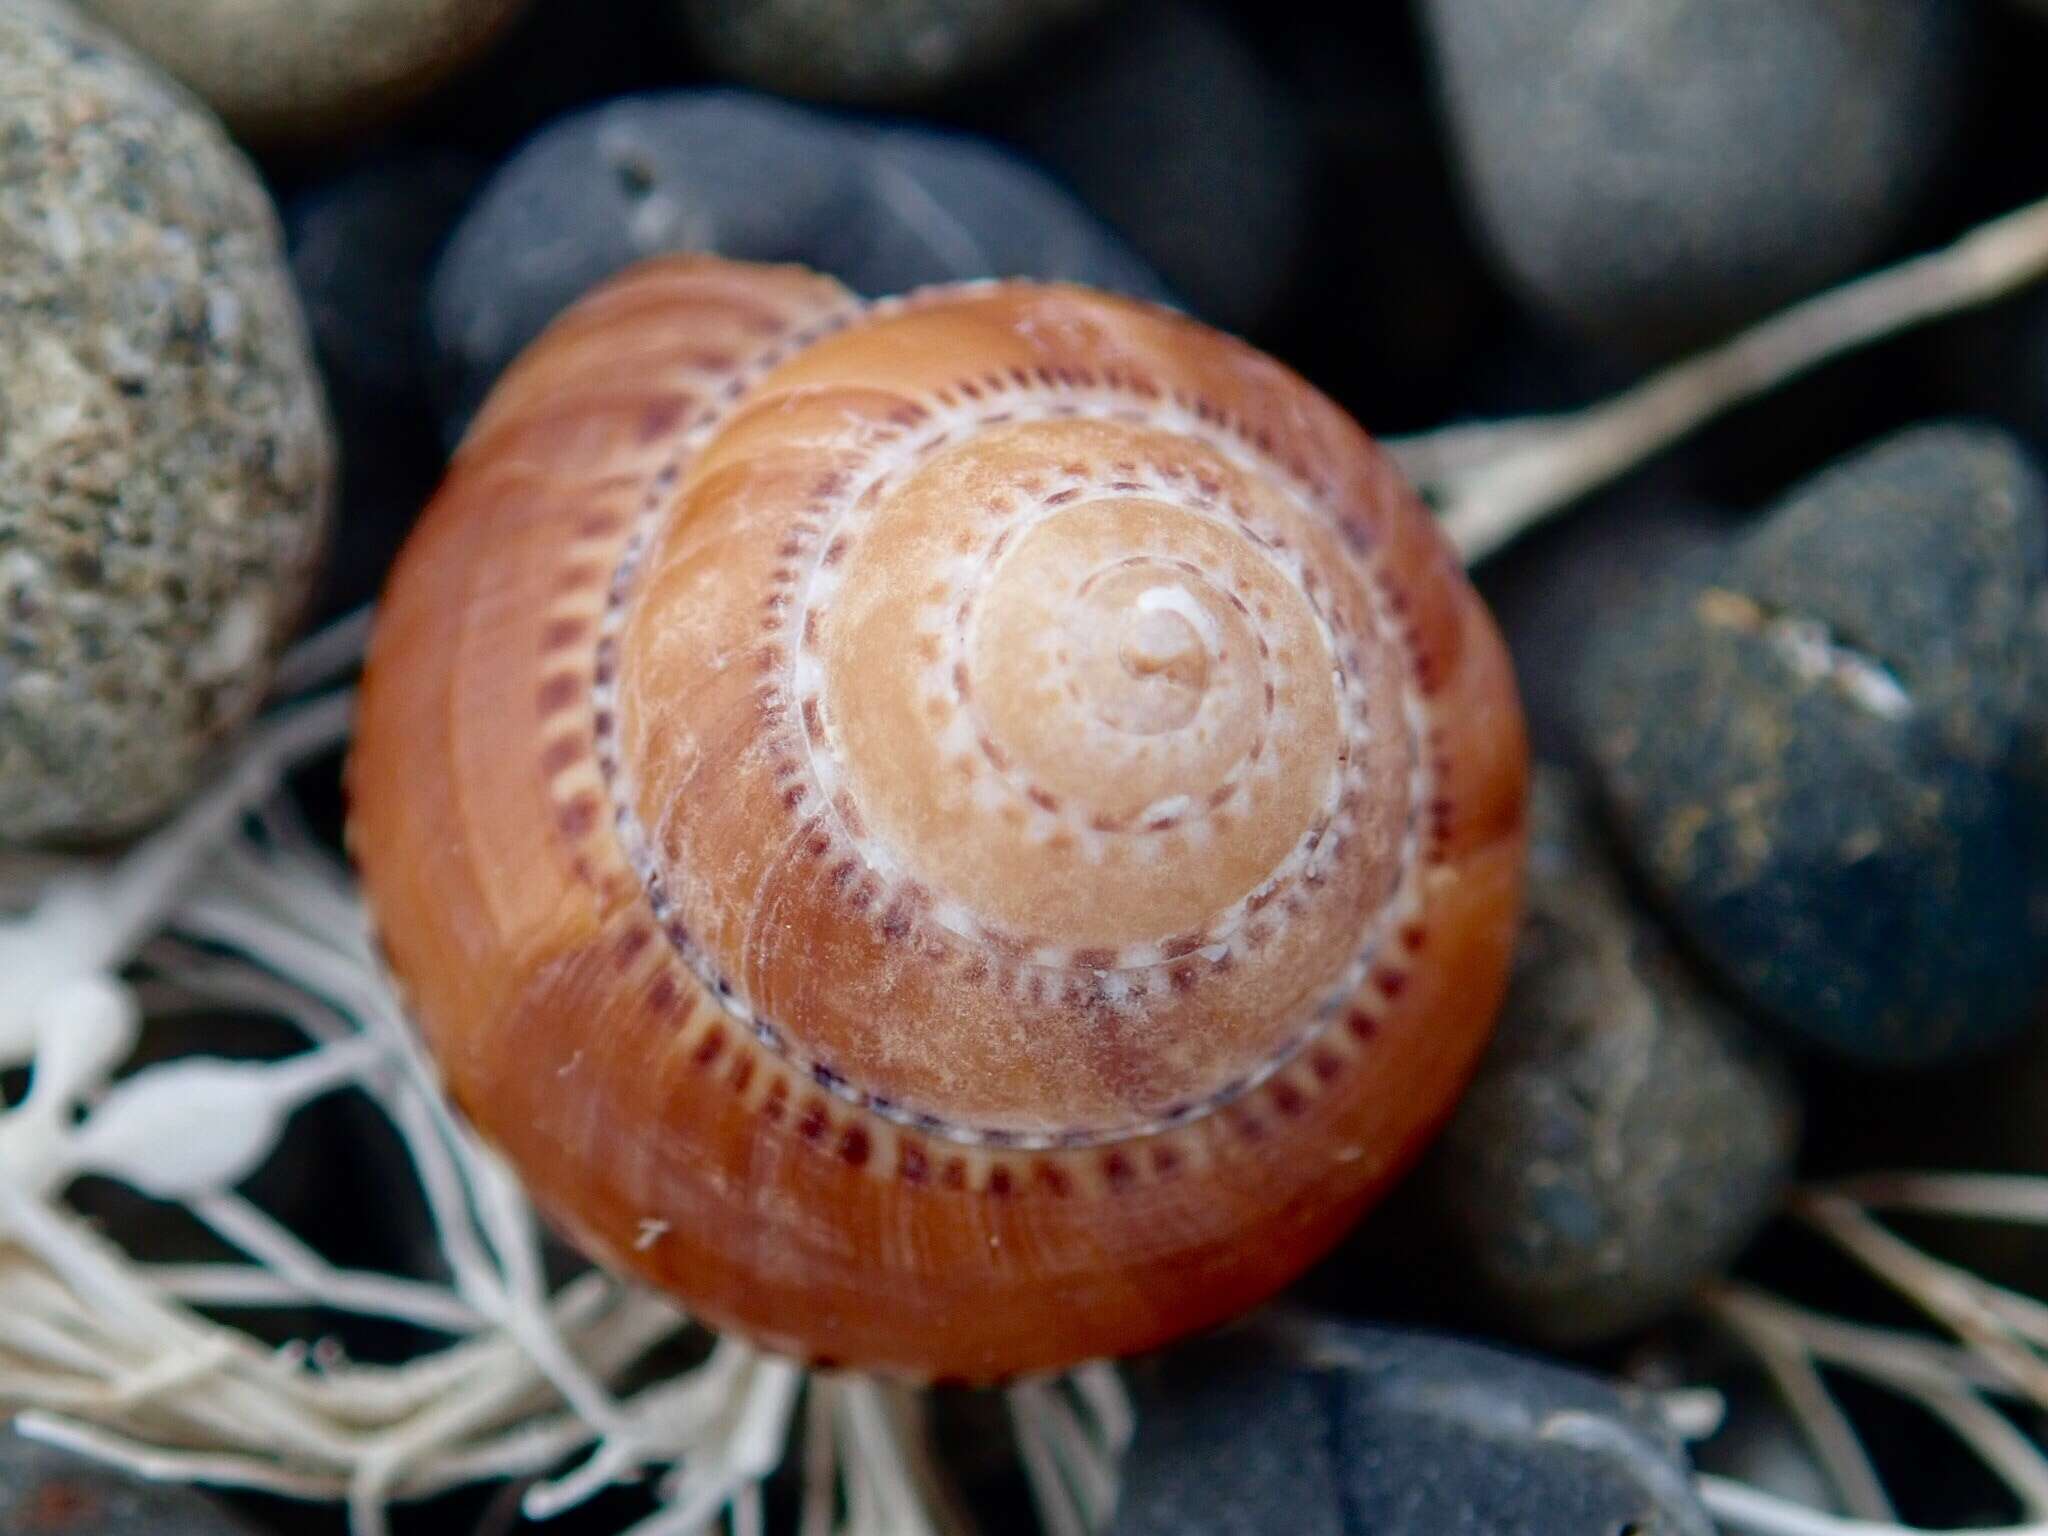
(1494, 481)
(232, 905)
(1995, 1352)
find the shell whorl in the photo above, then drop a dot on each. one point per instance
(1002, 789)
(1072, 715)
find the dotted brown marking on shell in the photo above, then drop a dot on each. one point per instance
(867, 893)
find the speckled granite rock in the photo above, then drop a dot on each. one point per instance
(48, 1492)
(1816, 748)
(884, 209)
(1655, 171)
(1398, 1434)
(165, 462)
(300, 69)
(866, 50)
(1626, 1133)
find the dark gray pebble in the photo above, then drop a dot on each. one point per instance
(1655, 171)
(867, 50)
(1821, 750)
(1554, 591)
(48, 1492)
(362, 249)
(883, 209)
(1626, 1134)
(1399, 1434)
(1168, 125)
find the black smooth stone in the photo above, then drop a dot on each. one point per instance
(883, 208)
(1653, 172)
(1822, 750)
(1558, 588)
(873, 51)
(1398, 1434)
(1168, 125)
(362, 248)
(48, 1492)
(1627, 1132)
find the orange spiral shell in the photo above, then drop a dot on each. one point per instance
(956, 835)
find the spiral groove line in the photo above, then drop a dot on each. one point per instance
(925, 426)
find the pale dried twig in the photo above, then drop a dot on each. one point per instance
(1493, 481)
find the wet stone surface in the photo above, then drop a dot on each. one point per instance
(867, 50)
(1627, 1132)
(48, 1492)
(1652, 173)
(1398, 1434)
(883, 208)
(1821, 750)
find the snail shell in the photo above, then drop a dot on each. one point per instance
(956, 835)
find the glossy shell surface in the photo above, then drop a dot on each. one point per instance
(955, 835)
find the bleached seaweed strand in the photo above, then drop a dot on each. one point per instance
(1494, 481)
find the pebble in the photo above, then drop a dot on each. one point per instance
(1555, 591)
(1820, 750)
(1626, 1134)
(362, 249)
(872, 51)
(48, 1492)
(165, 463)
(882, 208)
(1398, 1434)
(1651, 173)
(282, 71)
(1170, 127)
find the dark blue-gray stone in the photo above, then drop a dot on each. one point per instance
(1556, 590)
(48, 1492)
(882, 208)
(1627, 1132)
(1655, 171)
(867, 50)
(1168, 125)
(362, 248)
(1389, 1433)
(1823, 750)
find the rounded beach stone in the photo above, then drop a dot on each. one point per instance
(48, 1492)
(867, 50)
(1556, 590)
(1626, 1134)
(1389, 1433)
(1819, 749)
(884, 209)
(303, 69)
(165, 459)
(362, 249)
(1655, 171)
(1171, 128)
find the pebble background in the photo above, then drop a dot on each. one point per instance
(1782, 906)
(1627, 1133)
(165, 460)
(1818, 748)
